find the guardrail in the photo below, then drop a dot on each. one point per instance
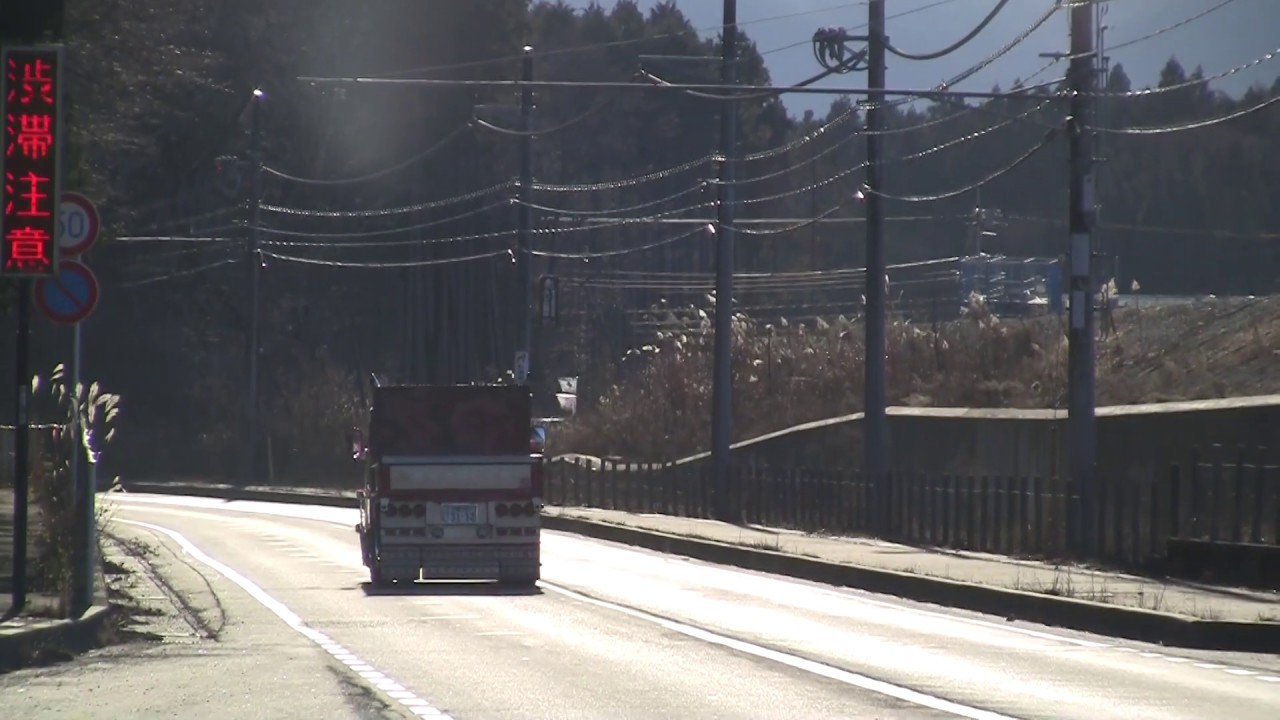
(1218, 519)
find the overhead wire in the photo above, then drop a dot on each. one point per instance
(1065, 57)
(389, 231)
(179, 238)
(384, 212)
(1184, 127)
(914, 156)
(419, 157)
(493, 127)
(1000, 5)
(385, 265)
(178, 273)
(1191, 82)
(845, 116)
(1044, 142)
(592, 47)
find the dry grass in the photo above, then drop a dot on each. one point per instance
(52, 486)
(787, 374)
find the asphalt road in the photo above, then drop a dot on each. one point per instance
(619, 633)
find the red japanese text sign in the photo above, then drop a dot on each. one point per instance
(31, 92)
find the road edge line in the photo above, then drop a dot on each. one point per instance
(1114, 621)
(395, 692)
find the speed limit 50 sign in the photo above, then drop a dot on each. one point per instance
(78, 224)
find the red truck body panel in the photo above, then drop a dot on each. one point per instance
(462, 420)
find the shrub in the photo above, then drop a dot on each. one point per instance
(789, 373)
(52, 490)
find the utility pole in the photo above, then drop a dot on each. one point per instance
(875, 394)
(722, 368)
(255, 276)
(21, 447)
(524, 254)
(1080, 337)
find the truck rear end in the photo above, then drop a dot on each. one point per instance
(453, 487)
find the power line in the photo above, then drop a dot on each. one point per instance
(438, 146)
(1000, 5)
(591, 47)
(708, 88)
(1184, 127)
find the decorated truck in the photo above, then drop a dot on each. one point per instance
(453, 484)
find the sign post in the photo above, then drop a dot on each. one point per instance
(31, 112)
(69, 297)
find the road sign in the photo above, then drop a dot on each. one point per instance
(69, 296)
(31, 113)
(78, 224)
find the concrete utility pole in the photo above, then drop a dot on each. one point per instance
(722, 361)
(523, 369)
(1080, 337)
(875, 393)
(253, 344)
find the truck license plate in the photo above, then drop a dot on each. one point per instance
(461, 514)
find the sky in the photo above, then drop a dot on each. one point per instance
(1237, 33)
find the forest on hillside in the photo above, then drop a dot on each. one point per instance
(389, 210)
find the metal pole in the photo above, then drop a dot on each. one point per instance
(76, 399)
(82, 587)
(875, 420)
(255, 272)
(722, 368)
(524, 258)
(1080, 336)
(21, 448)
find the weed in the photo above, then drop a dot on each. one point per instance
(789, 373)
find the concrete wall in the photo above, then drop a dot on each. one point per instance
(1136, 443)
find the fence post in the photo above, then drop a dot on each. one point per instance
(1175, 501)
(1238, 532)
(1025, 520)
(1135, 522)
(1039, 523)
(1259, 495)
(968, 510)
(1153, 519)
(1012, 524)
(1215, 494)
(1119, 511)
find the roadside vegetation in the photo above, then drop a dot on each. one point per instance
(788, 373)
(55, 532)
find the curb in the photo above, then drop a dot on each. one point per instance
(71, 637)
(1110, 620)
(226, 492)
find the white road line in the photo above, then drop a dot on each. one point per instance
(793, 661)
(412, 702)
(850, 594)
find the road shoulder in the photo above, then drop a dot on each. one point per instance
(189, 644)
